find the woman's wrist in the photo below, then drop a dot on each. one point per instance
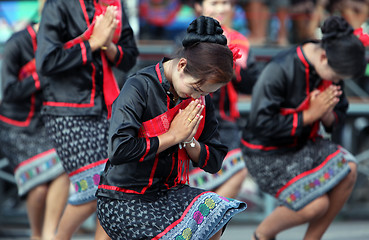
(190, 143)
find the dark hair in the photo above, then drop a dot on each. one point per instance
(206, 51)
(345, 52)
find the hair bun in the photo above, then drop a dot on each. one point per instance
(204, 29)
(336, 27)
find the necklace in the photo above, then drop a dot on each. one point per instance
(175, 99)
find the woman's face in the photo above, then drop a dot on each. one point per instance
(186, 86)
(218, 9)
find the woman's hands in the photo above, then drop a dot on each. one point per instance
(104, 29)
(183, 128)
(322, 104)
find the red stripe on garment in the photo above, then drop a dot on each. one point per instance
(84, 168)
(207, 156)
(157, 68)
(79, 105)
(294, 124)
(147, 149)
(160, 235)
(115, 188)
(120, 55)
(304, 174)
(171, 170)
(260, 147)
(28, 119)
(34, 158)
(32, 32)
(83, 52)
(118, 189)
(83, 6)
(307, 71)
(151, 174)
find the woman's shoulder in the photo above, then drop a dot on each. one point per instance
(143, 78)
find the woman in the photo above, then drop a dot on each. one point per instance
(161, 120)
(38, 171)
(300, 89)
(228, 181)
(80, 42)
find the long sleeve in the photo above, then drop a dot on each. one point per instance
(128, 109)
(248, 75)
(133, 103)
(54, 31)
(15, 57)
(212, 151)
(127, 50)
(268, 97)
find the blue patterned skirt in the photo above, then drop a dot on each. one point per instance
(81, 142)
(32, 157)
(296, 178)
(232, 163)
(179, 213)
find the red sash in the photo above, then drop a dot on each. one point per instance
(161, 124)
(110, 86)
(305, 105)
(27, 70)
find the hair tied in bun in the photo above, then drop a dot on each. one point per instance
(204, 29)
(336, 27)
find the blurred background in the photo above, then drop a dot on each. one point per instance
(270, 28)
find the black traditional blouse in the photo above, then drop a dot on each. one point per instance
(21, 88)
(280, 95)
(74, 76)
(133, 167)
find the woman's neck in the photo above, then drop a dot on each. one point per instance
(312, 52)
(168, 72)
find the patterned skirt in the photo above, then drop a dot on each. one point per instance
(297, 178)
(180, 213)
(32, 157)
(81, 142)
(232, 163)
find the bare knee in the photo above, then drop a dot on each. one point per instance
(241, 175)
(351, 177)
(39, 193)
(315, 209)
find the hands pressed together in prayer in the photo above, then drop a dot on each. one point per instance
(104, 29)
(322, 104)
(184, 126)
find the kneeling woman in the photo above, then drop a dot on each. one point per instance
(162, 120)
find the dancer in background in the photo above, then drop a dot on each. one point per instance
(300, 89)
(38, 171)
(162, 120)
(80, 42)
(228, 181)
